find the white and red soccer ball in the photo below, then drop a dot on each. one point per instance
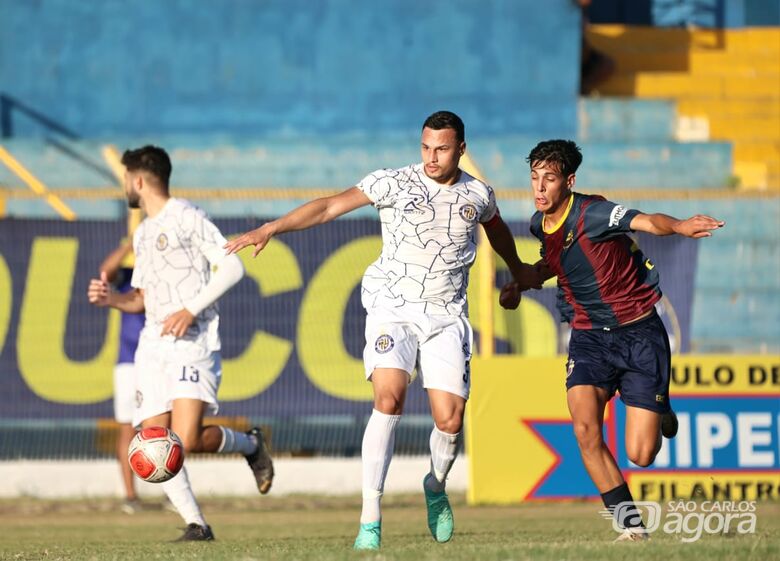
(155, 454)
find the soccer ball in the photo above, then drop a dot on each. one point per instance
(155, 454)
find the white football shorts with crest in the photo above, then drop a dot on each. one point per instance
(437, 347)
(168, 370)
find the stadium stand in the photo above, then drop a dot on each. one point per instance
(726, 83)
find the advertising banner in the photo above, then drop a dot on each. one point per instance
(292, 329)
(522, 446)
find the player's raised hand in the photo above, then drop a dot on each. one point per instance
(510, 296)
(259, 237)
(699, 226)
(178, 323)
(99, 290)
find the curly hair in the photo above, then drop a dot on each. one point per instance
(564, 154)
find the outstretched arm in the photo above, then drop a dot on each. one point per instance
(699, 226)
(501, 240)
(318, 211)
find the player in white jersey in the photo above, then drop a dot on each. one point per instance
(181, 269)
(415, 299)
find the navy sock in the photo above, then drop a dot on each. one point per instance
(627, 516)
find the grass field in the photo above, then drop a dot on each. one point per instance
(268, 528)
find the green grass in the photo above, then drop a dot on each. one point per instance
(323, 529)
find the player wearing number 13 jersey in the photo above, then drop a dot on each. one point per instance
(181, 269)
(415, 299)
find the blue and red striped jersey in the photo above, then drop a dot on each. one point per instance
(604, 280)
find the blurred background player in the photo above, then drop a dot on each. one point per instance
(181, 270)
(117, 268)
(415, 298)
(608, 291)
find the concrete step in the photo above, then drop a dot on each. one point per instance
(743, 65)
(731, 109)
(682, 85)
(753, 40)
(626, 119)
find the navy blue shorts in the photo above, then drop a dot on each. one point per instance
(634, 359)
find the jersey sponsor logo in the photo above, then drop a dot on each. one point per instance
(569, 240)
(139, 399)
(384, 344)
(162, 242)
(617, 213)
(468, 212)
(412, 208)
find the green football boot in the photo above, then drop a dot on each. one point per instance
(440, 521)
(369, 536)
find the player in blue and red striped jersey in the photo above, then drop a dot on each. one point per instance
(607, 292)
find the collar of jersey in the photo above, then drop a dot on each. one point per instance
(163, 210)
(562, 220)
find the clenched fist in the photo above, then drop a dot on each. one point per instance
(510, 296)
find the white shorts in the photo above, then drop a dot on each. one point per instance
(170, 370)
(439, 347)
(124, 392)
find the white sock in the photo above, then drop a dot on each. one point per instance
(233, 441)
(444, 448)
(180, 494)
(378, 444)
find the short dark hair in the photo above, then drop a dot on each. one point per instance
(446, 120)
(151, 159)
(565, 154)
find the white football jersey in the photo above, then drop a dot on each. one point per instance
(429, 240)
(173, 251)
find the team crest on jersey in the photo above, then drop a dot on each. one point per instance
(162, 242)
(383, 344)
(569, 240)
(468, 212)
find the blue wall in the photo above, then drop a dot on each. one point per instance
(253, 67)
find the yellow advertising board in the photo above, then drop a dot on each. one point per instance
(521, 445)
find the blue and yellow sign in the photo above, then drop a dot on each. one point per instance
(522, 446)
(292, 330)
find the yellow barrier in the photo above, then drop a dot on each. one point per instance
(35, 185)
(487, 270)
